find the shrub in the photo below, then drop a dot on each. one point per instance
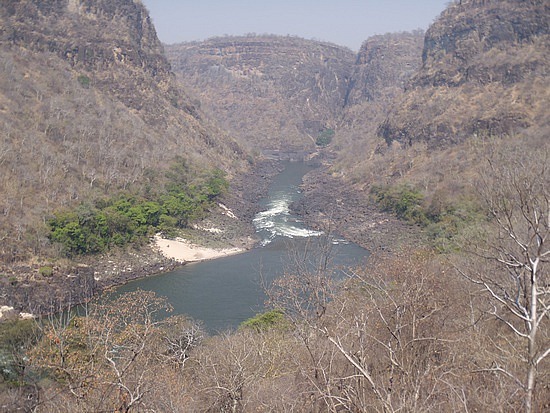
(325, 137)
(403, 200)
(265, 321)
(84, 81)
(45, 271)
(443, 219)
(455, 218)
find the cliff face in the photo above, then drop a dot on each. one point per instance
(463, 44)
(273, 92)
(112, 41)
(382, 70)
(88, 107)
(94, 33)
(384, 65)
(280, 92)
(484, 71)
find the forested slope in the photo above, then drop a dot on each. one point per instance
(89, 108)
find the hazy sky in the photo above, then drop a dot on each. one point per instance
(344, 22)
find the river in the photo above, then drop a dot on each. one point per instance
(224, 292)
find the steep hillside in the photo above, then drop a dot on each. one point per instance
(384, 65)
(484, 72)
(273, 92)
(88, 107)
(482, 87)
(383, 68)
(283, 92)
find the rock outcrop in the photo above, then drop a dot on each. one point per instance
(384, 66)
(113, 42)
(485, 72)
(279, 93)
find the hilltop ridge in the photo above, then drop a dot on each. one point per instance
(272, 91)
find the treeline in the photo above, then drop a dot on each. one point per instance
(126, 218)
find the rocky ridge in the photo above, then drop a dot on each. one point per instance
(484, 72)
(278, 93)
(384, 65)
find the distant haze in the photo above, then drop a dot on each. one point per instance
(344, 22)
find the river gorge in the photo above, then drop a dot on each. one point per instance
(224, 292)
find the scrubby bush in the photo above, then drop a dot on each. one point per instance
(264, 321)
(325, 137)
(443, 219)
(402, 200)
(46, 271)
(16, 335)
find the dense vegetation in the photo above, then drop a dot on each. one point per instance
(117, 221)
(403, 200)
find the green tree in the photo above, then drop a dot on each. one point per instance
(325, 137)
(67, 231)
(216, 184)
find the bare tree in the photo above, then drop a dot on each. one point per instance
(517, 253)
(181, 336)
(375, 342)
(127, 335)
(392, 330)
(107, 359)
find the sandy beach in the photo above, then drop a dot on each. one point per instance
(183, 251)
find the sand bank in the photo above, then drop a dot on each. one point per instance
(183, 251)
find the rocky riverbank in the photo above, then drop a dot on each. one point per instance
(328, 204)
(331, 204)
(47, 285)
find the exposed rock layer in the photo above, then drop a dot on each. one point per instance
(485, 71)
